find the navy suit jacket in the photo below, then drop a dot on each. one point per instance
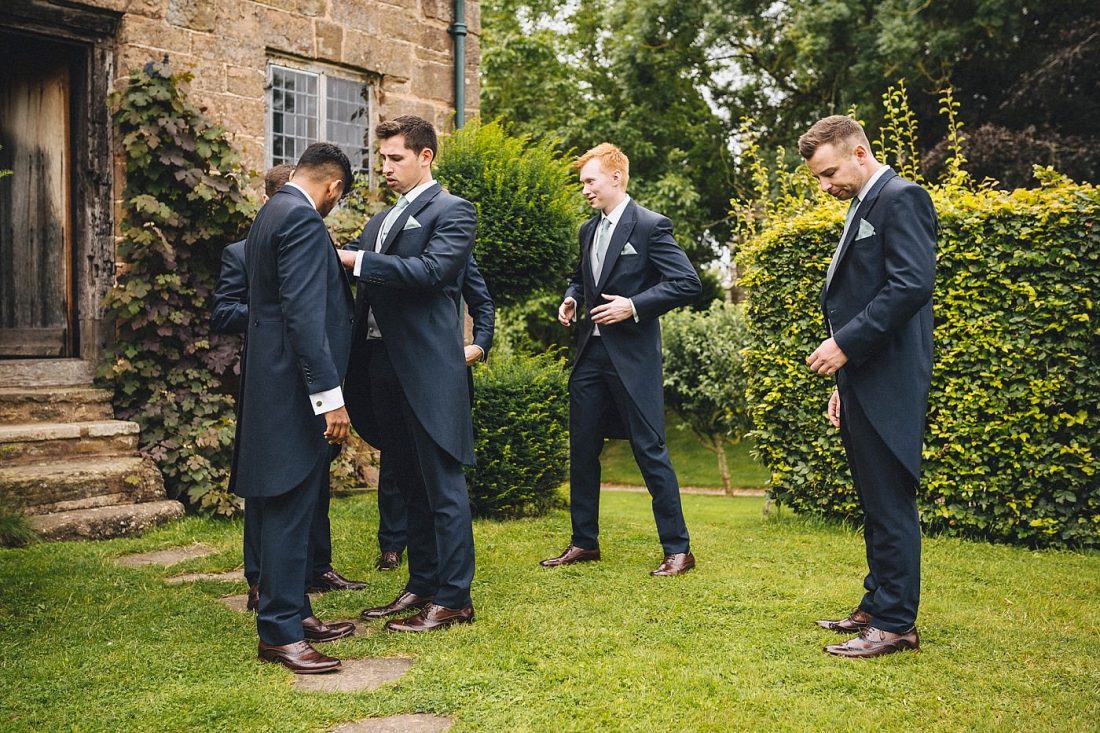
(658, 278)
(299, 337)
(475, 293)
(412, 286)
(230, 313)
(879, 306)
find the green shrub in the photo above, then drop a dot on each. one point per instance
(15, 530)
(521, 411)
(531, 327)
(528, 208)
(1013, 428)
(704, 378)
(184, 199)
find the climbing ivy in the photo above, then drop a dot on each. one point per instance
(184, 199)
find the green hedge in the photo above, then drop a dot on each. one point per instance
(521, 418)
(1014, 424)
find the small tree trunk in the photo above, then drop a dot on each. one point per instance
(719, 447)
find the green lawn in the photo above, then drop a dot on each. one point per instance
(1010, 636)
(694, 464)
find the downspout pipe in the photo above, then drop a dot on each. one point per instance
(458, 32)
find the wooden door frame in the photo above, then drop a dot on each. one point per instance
(94, 32)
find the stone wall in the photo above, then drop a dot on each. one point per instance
(402, 44)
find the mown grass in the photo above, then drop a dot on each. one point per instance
(695, 465)
(1009, 635)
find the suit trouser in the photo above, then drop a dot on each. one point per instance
(440, 530)
(286, 555)
(891, 525)
(320, 534)
(594, 388)
(393, 521)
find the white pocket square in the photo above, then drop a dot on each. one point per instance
(412, 223)
(865, 229)
(629, 249)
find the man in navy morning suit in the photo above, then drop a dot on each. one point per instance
(229, 315)
(877, 303)
(392, 515)
(408, 392)
(631, 271)
(291, 416)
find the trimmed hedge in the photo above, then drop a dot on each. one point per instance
(521, 418)
(1014, 423)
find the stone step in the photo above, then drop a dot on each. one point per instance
(39, 442)
(56, 404)
(80, 483)
(105, 522)
(45, 372)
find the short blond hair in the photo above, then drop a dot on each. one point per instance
(840, 131)
(611, 159)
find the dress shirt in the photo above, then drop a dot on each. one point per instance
(597, 267)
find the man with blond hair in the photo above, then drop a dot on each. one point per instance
(877, 303)
(631, 272)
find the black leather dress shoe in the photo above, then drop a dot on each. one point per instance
(317, 630)
(857, 620)
(403, 602)
(388, 560)
(299, 657)
(332, 580)
(571, 555)
(433, 617)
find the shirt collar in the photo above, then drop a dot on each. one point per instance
(617, 212)
(871, 182)
(414, 192)
(305, 193)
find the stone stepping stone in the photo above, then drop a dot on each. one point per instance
(411, 723)
(236, 603)
(171, 556)
(240, 602)
(356, 675)
(229, 576)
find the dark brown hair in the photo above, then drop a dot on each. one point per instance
(276, 178)
(836, 130)
(418, 132)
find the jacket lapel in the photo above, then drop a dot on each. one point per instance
(586, 255)
(619, 238)
(411, 210)
(863, 212)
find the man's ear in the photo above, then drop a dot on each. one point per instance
(426, 156)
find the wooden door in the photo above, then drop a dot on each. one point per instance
(36, 283)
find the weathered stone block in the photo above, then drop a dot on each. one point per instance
(139, 31)
(313, 8)
(245, 81)
(198, 15)
(330, 40)
(360, 15)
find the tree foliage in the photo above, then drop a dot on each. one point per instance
(184, 198)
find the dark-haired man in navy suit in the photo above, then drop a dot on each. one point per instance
(631, 272)
(407, 387)
(292, 417)
(877, 303)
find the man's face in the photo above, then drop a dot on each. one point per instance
(602, 189)
(840, 173)
(404, 170)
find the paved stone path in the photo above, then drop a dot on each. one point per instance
(171, 556)
(418, 723)
(229, 576)
(355, 675)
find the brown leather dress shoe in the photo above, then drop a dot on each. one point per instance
(388, 560)
(676, 564)
(299, 658)
(855, 623)
(253, 603)
(403, 602)
(317, 630)
(873, 642)
(433, 617)
(571, 555)
(332, 580)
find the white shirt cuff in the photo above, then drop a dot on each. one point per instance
(633, 310)
(327, 401)
(358, 263)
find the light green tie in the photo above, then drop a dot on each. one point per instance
(602, 242)
(395, 212)
(844, 235)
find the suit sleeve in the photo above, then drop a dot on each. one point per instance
(439, 265)
(303, 253)
(475, 291)
(909, 253)
(679, 281)
(230, 313)
(575, 289)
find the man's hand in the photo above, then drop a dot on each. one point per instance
(567, 312)
(347, 258)
(827, 358)
(337, 425)
(616, 309)
(473, 354)
(834, 408)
